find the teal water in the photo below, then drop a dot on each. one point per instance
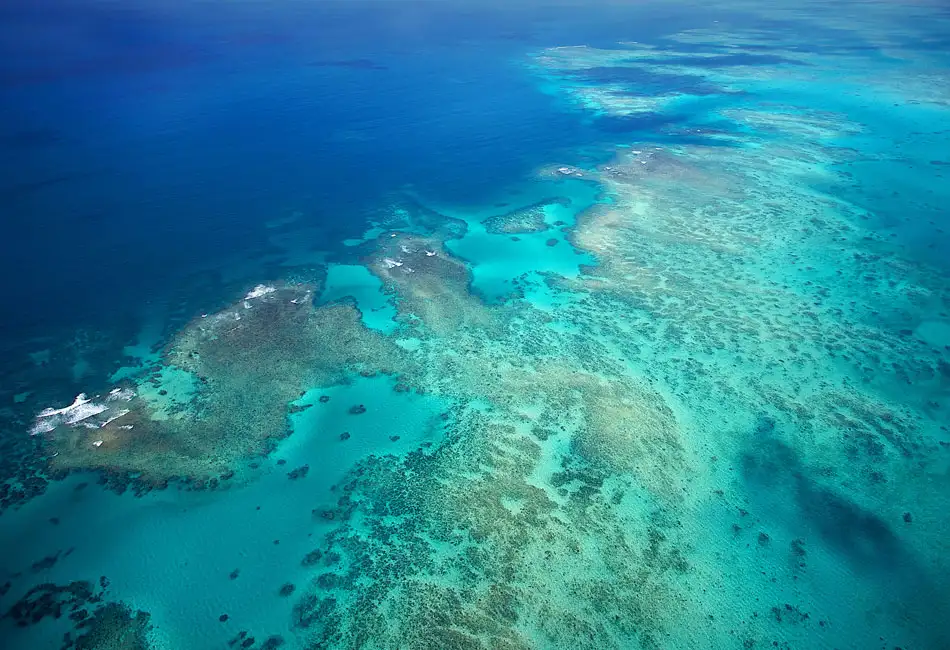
(357, 283)
(468, 326)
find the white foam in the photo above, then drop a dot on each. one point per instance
(124, 394)
(258, 291)
(42, 426)
(117, 415)
(79, 401)
(84, 412)
(82, 408)
(390, 263)
(74, 417)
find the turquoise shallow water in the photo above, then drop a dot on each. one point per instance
(178, 550)
(563, 327)
(357, 283)
(503, 257)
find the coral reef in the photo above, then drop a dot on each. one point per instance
(727, 429)
(97, 624)
(431, 286)
(520, 484)
(496, 534)
(734, 313)
(528, 219)
(115, 627)
(231, 377)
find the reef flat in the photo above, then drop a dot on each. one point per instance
(685, 388)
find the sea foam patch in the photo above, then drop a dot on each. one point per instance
(83, 412)
(259, 291)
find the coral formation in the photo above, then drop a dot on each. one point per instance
(528, 219)
(429, 284)
(494, 532)
(108, 626)
(115, 627)
(603, 436)
(232, 376)
(520, 484)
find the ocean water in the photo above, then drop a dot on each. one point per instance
(392, 324)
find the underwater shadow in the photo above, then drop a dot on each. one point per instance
(858, 534)
(638, 78)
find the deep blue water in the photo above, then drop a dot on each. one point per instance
(141, 143)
